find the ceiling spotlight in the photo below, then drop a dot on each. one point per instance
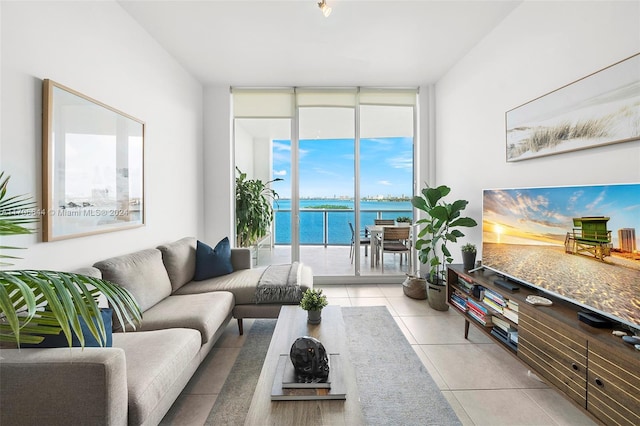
(326, 10)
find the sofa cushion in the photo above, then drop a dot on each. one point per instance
(89, 271)
(156, 360)
(213, 262)
(60, 341)
(142, 273)
(179, 259)
(205, 312)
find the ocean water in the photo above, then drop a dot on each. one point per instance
(318, 226)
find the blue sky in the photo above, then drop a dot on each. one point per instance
(327, 167)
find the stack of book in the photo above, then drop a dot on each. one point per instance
(459, 300)
(494, 300)
(510, 311)
(465, 283)
(479, 312)
(505, 332)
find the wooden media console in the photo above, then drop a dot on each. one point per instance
(592, 367)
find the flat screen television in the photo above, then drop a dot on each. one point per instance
(578, 243)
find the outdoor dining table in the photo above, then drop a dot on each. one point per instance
(375, 234)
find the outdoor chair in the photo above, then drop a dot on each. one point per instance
(396, 239)
(363, 242)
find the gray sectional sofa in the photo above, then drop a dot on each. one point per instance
(137, 380)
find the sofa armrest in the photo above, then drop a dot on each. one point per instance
(63, 386)
(241, 258)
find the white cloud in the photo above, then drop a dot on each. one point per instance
(279, 172)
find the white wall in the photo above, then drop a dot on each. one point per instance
(219, 172)
(99, 50)
(540, 47)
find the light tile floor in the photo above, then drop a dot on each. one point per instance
(484, 383)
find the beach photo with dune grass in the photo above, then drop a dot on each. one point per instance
(600, 109)
(577, 242)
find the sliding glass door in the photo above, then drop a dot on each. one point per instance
(346, 157)
(386, 165)
(326, 186)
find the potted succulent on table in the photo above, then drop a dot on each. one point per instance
(468, 256)
(440, 227)
(313, 301)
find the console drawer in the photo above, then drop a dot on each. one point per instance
(613, 387)
(555, 354)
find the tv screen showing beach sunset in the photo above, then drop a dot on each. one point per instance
(578, 242)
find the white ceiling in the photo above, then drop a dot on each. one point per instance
(290, 43)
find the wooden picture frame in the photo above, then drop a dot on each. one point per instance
(600, 109)
(93, 166)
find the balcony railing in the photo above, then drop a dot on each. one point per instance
(327, 226)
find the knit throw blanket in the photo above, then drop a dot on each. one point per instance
(280, 284)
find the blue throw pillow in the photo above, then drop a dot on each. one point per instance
(60, 341)
(213, 262)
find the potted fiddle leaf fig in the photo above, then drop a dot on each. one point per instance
(441, 226)
(254, 212)
(37, 303)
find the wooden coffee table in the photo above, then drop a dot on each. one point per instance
(292, 323)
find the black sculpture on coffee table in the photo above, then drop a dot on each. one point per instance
(310, 360)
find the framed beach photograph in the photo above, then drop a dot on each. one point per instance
(93, 166)
(599, 109)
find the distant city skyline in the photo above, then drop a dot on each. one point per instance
(327, 168)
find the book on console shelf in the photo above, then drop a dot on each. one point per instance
(513, 305)
(465, 285)
(510, 314)
(494, 297)
(465, 278)
(477, 306)
(504, 339)
(492, 304)
(458, 302)
(479, 313)
(502, 324)
(485, 320)
(460, 297)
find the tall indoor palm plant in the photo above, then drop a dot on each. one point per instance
(34, 304)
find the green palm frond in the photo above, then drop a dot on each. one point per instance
(34, 304)
(37, 303)
(14, 215)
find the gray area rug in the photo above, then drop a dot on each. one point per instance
(232, 405)
(394, 386)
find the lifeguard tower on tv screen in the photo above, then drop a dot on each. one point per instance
(589, 236)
